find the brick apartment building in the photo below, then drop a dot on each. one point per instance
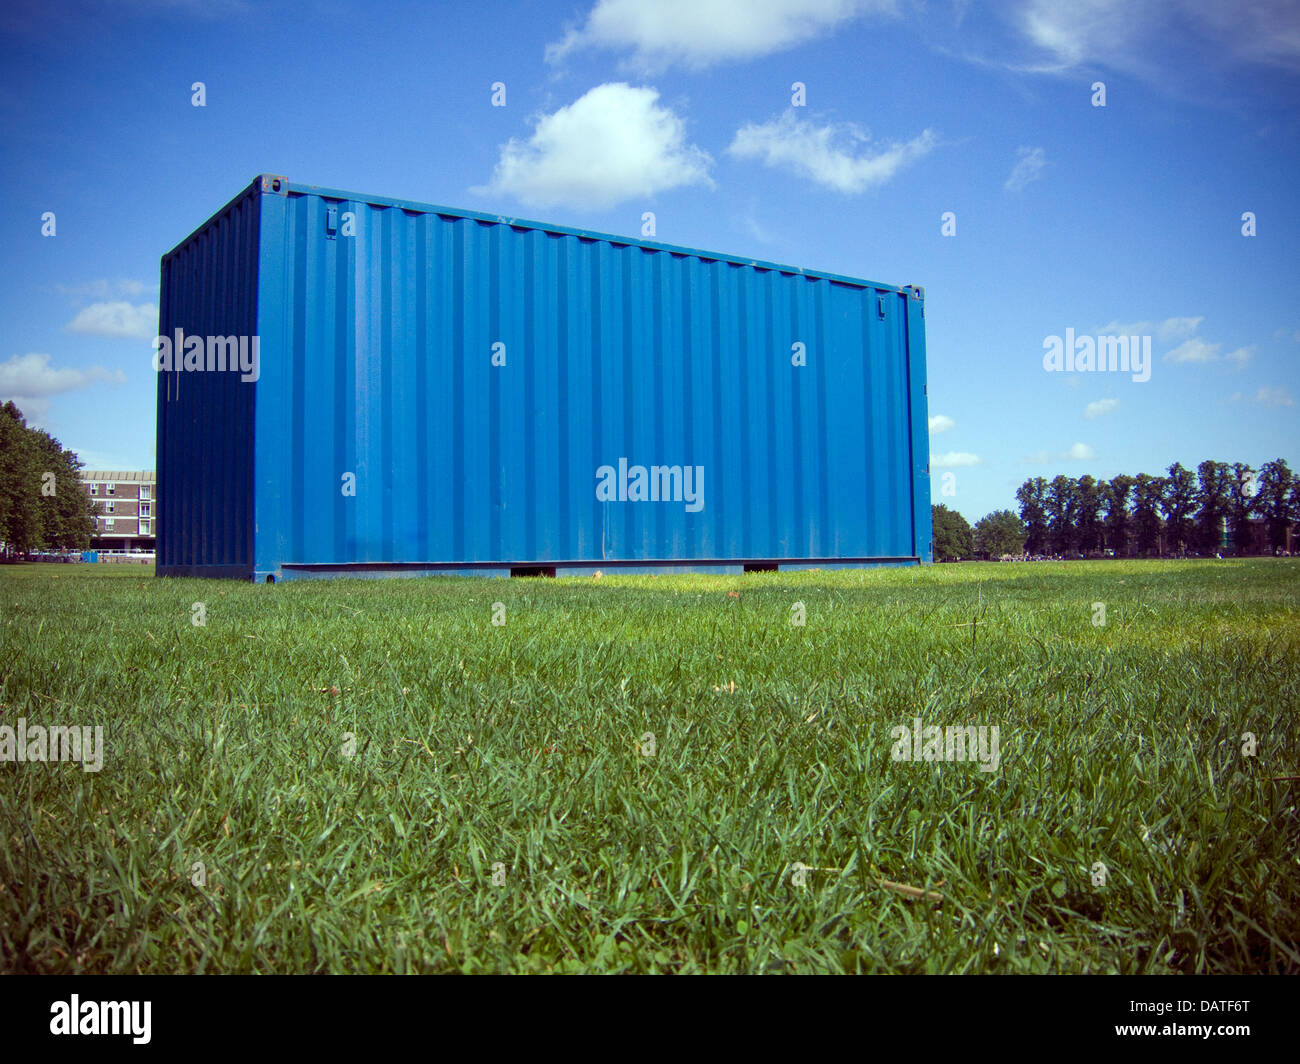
(126, 509)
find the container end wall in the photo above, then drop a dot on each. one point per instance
(207, 365)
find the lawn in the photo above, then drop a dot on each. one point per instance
(371, 775)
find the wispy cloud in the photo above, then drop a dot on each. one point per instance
(1269, 395)
(104, 289)
(204, 9)
(954, 458)
(1100, 408)
(941, 423)
(1065, 36)
(1029, 167)
(1193, 350)
(94, 459)
(1050, 37)
(834, 156)
(1169, 329)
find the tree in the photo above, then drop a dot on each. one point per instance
(1087, 501)
(1062, 512)
(1276, 501)
(1116, 497)
(20, 514)
(68, 513)
(952, 535)
(1032, 495)
(1147, 494)
(1242, 489)
(42, 502)
(1178, 504)
(1213, 479)
(1293, 501)
(999, 533)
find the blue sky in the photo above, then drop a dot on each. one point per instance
(1125, 218)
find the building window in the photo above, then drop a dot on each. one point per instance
(94, 488)
(108, 488)
(108, 523)
(146, 492)
(144, 509)
(108, 506)
(144, 528)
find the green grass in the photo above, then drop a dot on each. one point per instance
(476, 744)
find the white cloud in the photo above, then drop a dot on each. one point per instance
(29, 380)
(1194, 350)
(614, 144)
(1273, 396)
(1169, 329)
(1191, 349)
(1100, 407)
(1079, 452)
(954, 458)
(31, 375)
(701, 33)
(1029, 167)
(119, 318)
(834, 156)
(941, 423)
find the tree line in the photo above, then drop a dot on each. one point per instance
(42, 503)
(1224, 507)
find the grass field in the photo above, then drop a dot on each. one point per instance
(500, 811)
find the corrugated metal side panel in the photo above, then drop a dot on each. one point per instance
(377, 362)
(919, 409)
(205, 418)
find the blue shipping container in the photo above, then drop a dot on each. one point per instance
(358, 384)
